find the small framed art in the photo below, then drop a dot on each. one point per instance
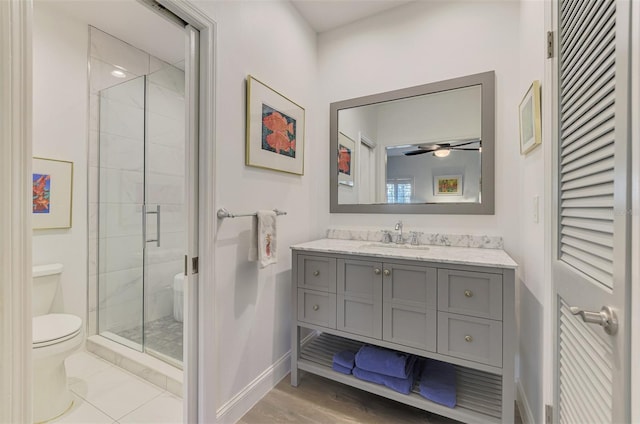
(346, 160)
(530, 121)
(52, 193)
(275, 130)
(447, 185)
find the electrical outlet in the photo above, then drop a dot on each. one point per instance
(536, 209)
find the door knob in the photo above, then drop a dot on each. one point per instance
(387, 272)
(316, 273)
(376, 271)
(606, 318)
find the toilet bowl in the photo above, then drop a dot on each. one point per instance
(55, 337)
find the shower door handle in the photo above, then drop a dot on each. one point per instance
(145, 212)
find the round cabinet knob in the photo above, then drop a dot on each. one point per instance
(316, 307)
(316, 273)
(468, 339)
(387, 272)
(468, 293)
(376, 271)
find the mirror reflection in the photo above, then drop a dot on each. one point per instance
(423, 149)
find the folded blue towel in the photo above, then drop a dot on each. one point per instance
(341, 369)
(385, 361)
(345, 358)
(401, 385)
(438, 382)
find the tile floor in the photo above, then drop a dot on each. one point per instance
(104, 393)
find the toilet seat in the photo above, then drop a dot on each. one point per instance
(52, 329)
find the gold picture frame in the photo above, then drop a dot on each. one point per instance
(275, 130)
(52, 193)
(530, 120)
(447, 185)
(346, 160)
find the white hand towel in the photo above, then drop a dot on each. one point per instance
(253, 240)
(267, 240)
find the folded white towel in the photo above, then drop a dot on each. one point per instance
(267, 241)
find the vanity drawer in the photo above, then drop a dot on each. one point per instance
(470, 293)
(317, 273)
(475, 339)
(316, 307)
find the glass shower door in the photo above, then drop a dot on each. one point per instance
(121, 198)
(142, 218)
(165, 212)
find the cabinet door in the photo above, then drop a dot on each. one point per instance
(409, 306)
(359, 297)
(317, 273)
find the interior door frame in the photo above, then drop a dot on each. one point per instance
(200, 366)
(16, 27)
(15, 213)
(635, 206)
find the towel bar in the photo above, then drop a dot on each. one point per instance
(223, 213)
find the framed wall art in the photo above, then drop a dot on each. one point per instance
(346, 160)
(447, 185)
(530, 121)
(275, 130)
(52, 193)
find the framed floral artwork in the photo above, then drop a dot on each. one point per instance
(530, 121)
(52, 189)
(275, 130)
(346, 160)
(447, 185)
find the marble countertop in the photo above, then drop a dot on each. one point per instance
(446, 254)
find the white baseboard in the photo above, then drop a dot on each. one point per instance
(244, 400)
(523, 405)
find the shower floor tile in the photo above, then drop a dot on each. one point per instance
(163, 335)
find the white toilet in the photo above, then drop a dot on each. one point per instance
(55, 337)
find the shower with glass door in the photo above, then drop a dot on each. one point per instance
(141, 213)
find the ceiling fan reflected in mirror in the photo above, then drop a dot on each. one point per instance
(442, 150)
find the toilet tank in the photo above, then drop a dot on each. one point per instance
(46, 279)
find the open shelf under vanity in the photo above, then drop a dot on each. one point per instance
(478, 393)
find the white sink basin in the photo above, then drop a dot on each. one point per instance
(393, 246)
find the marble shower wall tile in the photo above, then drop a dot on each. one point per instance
(435, 239)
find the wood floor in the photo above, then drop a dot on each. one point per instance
(318, 400)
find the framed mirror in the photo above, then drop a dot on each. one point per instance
(427, 149)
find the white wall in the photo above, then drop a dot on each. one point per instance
(60, 132)
(424, 42)
(534, 285)
(270, 41)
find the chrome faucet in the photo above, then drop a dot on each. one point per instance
(399, 239)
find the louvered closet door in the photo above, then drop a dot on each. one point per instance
(590, 263)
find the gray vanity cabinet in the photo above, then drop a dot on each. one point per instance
(457, 313)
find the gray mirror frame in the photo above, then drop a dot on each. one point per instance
(487, 81)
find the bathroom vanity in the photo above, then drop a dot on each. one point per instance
(453, 304)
